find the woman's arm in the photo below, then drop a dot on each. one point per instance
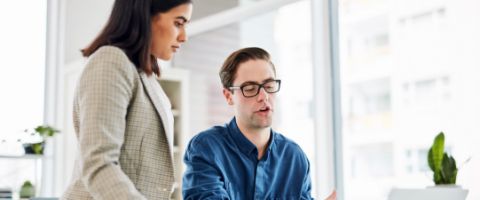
(103, 95)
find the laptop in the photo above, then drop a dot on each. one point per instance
(428, 194)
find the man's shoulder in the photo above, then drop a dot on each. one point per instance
(289, 151)
(286, 143)
(214, 135)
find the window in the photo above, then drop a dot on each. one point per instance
(22, 72)
(408, 71)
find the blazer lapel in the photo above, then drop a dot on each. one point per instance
(160, 107)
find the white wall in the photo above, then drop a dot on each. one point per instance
(83, 21)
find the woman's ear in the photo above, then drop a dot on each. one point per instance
(228, 96)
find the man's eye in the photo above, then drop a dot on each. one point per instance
(270, 85)
(249, 88)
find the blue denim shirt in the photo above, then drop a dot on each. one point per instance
(222, 164)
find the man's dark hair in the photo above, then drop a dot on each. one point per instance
(230, 66)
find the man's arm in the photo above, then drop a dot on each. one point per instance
(202, 178)
(307, 182)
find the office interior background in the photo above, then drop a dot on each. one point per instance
(366, 84)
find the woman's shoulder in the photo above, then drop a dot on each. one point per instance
(110, 58)
(109, 53)
(109, 63)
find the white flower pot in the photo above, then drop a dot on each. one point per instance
(438, 192)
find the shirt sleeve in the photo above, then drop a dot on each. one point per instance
(307, 183)
(202, 178)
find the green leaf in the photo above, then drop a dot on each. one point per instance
(449, 169)
(27, 183)
(437, 151)
(37, 148)
(453, 179)
(438, 178)
(46, 131)
(430, 160)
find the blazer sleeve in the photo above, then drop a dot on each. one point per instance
(103, 95)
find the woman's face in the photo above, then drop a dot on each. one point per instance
(168, 31)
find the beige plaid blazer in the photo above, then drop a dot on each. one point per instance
(122, 122)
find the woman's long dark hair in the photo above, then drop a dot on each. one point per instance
(129, 28)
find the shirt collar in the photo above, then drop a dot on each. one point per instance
(243, 143)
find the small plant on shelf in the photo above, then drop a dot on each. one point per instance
(44, 132)
(27, 190)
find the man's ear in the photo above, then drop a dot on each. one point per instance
(228, 96)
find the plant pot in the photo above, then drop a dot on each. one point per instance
(34, 148)
(448, 191)
(27, 190)
(438, 192)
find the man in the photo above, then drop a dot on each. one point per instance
(245, 159)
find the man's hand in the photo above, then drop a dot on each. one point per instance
(332, 196)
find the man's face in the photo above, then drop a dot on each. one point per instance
(253, 112)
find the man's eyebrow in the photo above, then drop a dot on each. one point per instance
(267, 80)
(182, 18)
(249, 82)
(255, 82)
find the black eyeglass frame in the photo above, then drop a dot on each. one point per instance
(278, 81)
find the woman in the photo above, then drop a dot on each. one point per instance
(122, 117)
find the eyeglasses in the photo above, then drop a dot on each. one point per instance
(252, 89)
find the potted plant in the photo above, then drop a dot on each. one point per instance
(44, 132)
(444, 170)
(27, 190)
(443, 166)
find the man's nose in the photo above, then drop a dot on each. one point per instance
(262, 95)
